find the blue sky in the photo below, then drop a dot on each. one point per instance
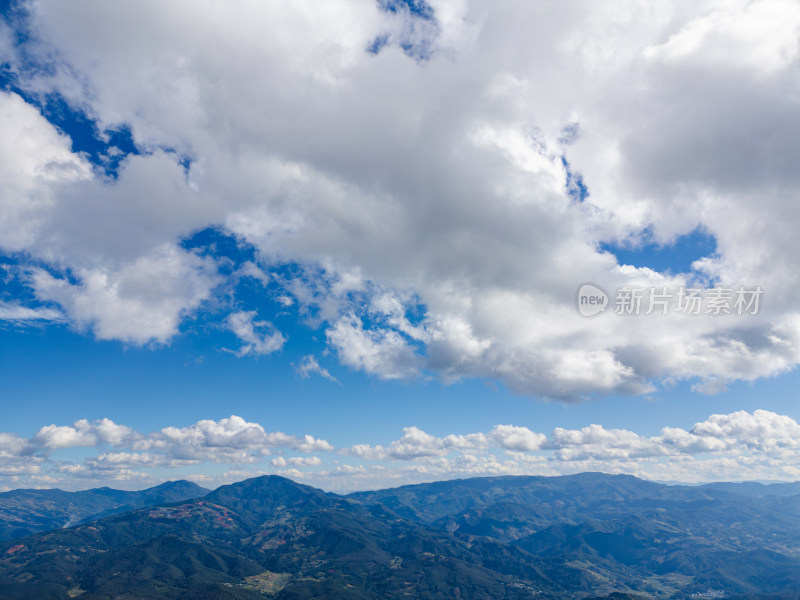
(350, 253)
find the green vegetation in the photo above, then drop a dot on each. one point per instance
(23, 512)
(587, 536)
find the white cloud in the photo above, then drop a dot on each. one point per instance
(231, 440)
(124, 454)
(760, 429)
(305, 444)
(381, 352)
(12, 311)
(296, 461)
(735, 446)
(112, 461)
(36, 164)
(309, 366)
(415, 443)
(15, 471)
(83, 433)
(511, 437)
(760, 36)
(433, 183)
(18, 458)
(258, 337)
(764, 443)
(140, 302)
(469, 443)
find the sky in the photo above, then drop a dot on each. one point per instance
(365, 243)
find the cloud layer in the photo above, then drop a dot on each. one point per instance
(736, 446)
(418, 164)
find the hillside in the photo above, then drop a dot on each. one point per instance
(23, 512)
(583, 536)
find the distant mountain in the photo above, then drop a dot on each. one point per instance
(507, 508)
(625, 533)
(578, 537)
(753, 488)
(23, 512)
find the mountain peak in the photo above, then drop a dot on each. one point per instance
(178, 484)
(258, 497)
(174, 483)
(267, 483)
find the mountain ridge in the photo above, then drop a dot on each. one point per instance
(27, 511)
(582, 536)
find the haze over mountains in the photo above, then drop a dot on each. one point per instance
(582, 536)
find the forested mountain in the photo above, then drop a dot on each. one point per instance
(23, 512)
(582, 536)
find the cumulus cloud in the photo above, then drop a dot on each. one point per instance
(415, 443)
(296, 461)
(140, 302)
(83, 433)
(423, 156)
(761, 429)
(511, 437)
(227, 440)
(307, 443)
(762, 442)
(382, 352)
(124, 454)
(736, 446)
(36, 164)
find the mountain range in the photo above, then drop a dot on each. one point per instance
(582, 536)
(23, 512)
